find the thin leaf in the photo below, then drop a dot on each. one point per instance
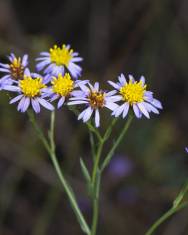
(85, 171)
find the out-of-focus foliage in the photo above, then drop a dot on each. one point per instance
(140, 37)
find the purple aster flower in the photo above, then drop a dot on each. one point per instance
(186, 149)
(57, 59)
(14, 71)
(94, 99)
(29, 91)
(134, 94)
(62, 88)
(120, 166)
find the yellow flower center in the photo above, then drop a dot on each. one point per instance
(96, 99)
(60, 56)
(31, 87)
(16, 68)
(133, 92)
(62, 85)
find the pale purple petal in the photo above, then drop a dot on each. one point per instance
(54, 97)
(45, 104)
(116, 86)
(142, 79)
(11, 88)
(25, 60)
(7, 66)
(118, 111)
(110, 105)
(50, 68)
(45, 53)
(125, 110)
(42, 64)
(122, 79)
(87, 114)
(157, 104)
(143, 109)
(110, 93)
(97, 118)
(25, 105)
(79, 94)
(114, 98)
(96, 86)
(77, 102)
(84, 88)
(131, 78)
(137, 111)
(4, 70)
(151, 108)
(77, 59)
(60, 102)
(27, 72)
(6, 77)
(21, 104)
(81, 115)
(35, 105)
(15, 99)
(74, 69)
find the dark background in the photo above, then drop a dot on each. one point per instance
(141, 37)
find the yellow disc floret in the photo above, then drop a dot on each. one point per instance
(133, 92)
(96, 99)
(17, 69)
(61, 56)
(62, 85)
(31, 87)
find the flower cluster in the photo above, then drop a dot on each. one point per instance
(59, 81)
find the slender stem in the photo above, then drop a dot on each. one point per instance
(95, 181)
(96, 176)
(95, 184)
(94, 130)
(165, 217)
(39, 131)
(95, 216)
(109, 129)
(96, 163)
(117, 142)
(92, 143)
(51, 150)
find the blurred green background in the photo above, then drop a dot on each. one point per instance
(140, 37)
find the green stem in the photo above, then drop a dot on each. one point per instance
(96, 163)
(165, 217)
(39, 131)
(96, 176)
(117, 142)
(51, 150)
(95, 181)
(92, 143)
(95, 216)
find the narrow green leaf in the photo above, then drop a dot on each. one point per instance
(180, 196)
(85, 171)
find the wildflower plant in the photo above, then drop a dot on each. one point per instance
(58, 81)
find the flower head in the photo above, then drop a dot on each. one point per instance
(30, 90)
(14, 70)
(62, 87)
(57, 59)
(134, 94)
(94, 99)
